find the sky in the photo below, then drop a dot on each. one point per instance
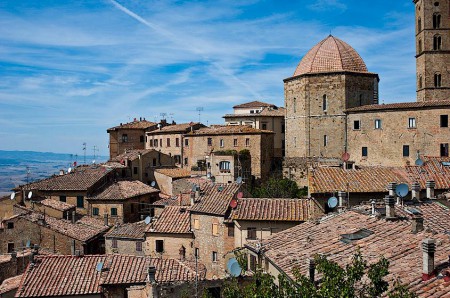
(71, 69)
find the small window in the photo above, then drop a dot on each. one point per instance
(264, 126)
(113, 211)
(154, 162)
(186, 142)
(124, 138)
(325, 140)
(420, 82)
(80, 201)
(10, 247)
(135, 170)
(177, 142)
(235, 142)
(324, 103)
(159, 244)
(419, 46)
(155, 143)
(222, 143)
(95, 211)
(185, 161)
(151, 143)
(138, 246)
(251, 233)
(405, 150)
(230, 229)
(196, 223)
(210, 142)
(437, 42)
(444, 149)
(377, 123)
(412, 123)
(364, 151)
(160, 142)
(295, 105)
(63, 198)
(214, 256)
(356, 125)
(168, 142)
(215, 229)
(252, 263)
(252, 111)
(436, 21)
(444, 120)
(437, 80)
(114, 243)
(224, 166)
(141, 139)
(10, 225)
(247, 142)
(419, 25)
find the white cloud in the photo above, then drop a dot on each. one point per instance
(326, 5)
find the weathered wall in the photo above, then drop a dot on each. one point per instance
(172, 245)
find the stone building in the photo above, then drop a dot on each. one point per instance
(262, 116)
(165, 178)
(200, 143)
(129, 136)
(432, 49)
(169, 139)
(126, 239)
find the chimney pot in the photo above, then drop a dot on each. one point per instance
(74, 217)
(391, 188)
(417, 224)
(342, 195)
(428, 249)
(389, 202)
(105, 219)
(430, 189)
(152, 274)
(415, 191)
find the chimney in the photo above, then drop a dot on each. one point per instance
(180, 199)
(312, 269)
(342, 198)
(389, 201)
(105, 219)
(197, 192)
(417, 224)
(391, 188)
(415, 190)
(372, 203)
(151, 274)
(74, 216)
(72, 247)
(61, 172)
(428, 249)
(430, 189)
(192, 198)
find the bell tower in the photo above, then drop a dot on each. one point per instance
(432, 25)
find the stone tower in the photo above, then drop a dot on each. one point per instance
(330, 78)
(432, 49)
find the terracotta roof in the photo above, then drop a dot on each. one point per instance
(56, 204)
(365, 179)
(215, 198)
(331, 55)
(173, 219)
(432, 169)
(131, 154)
(228, 129)
(280, 112)
(10, 284)
(142, 124)
(271, 209)
(177, 128)
(174, 200)
(83, 229)
(400, 106)
(253, 104)
(123, 190)
(175, 172)
(292, 248)
(71, 275)
(133, 230)
(82, 178)
(436, 216)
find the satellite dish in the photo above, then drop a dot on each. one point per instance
(220, 188)
(239, 180)
(147, 220)
(208, 175)
(93, 162)
(233, 203)
(69, 170)
(159, 125)
(13, 195)
(152, 184)
(233, 267)
(30, 194)
(345, 156)
(28, 243)
(332, 202)
(240, 195)
(99, 267)
(419, 162)
(402, 190)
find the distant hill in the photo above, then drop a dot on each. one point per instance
(18, 167)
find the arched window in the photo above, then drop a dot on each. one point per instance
(437, 42)
(420, 82)
(436, 21)
(437, 80)
(419, 25)
(224, 166)
(324, 102)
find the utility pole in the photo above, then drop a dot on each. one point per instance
(84, 149)
(95, 150)
(199, 110)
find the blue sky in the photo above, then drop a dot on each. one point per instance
(71, 69)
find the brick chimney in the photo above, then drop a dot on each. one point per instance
(417, 224)
(428, 249)
(415, 191)
(430, 189)
(389, 201)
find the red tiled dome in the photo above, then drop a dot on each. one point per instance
(330, 55)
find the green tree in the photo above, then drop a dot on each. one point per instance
(278, 188)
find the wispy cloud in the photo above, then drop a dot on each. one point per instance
(327, 5)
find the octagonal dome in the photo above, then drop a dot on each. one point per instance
(331, 55)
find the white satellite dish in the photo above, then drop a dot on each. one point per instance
(152, 184)
(419, 162)
(159, 125)
(93, 162)
(13, 195)
(69, 170)
(332, 202)
(239, 180)
(99, 267)
(147, 220)
(402, 190)
(233, 267)
(30, 194)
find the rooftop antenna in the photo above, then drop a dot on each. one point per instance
(95, 149)
(84, 149)
(171, 117)
(28, 174)
(199, 110)
(163, 115)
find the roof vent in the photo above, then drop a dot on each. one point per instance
(360, 234)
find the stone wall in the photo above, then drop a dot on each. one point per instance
(136, 140)
(13, 265)
(124, 247)
(172, 245)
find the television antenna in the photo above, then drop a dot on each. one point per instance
(95, 149)
(84, 149)
(199, 110)
(28, 174)
(163, 115)
(171, 116)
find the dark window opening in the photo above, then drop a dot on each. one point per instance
(324, 103)
(63, 198)
(159, 246)
(141, 139)
(10, 247)
(80, 201)
(444, 120)
(230, 231)
(10, 225)
(264, 126)
(214, 256)
(138, 246)
(95, 211)
(360, 234)
(252, 263)
(437, 80)
(124, 138)
(177, 142)
(437, 42)
(364, 152)
(113, 211)
(210, 141)
(135, 170)
(154, 162)
(436, 21)
(168, 142)
(356, 124)
(444, 149)
(251, 233)
(405, 150)
(114, 243)
(186, 142)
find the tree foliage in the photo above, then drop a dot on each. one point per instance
(357, 279)
(278, 188)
